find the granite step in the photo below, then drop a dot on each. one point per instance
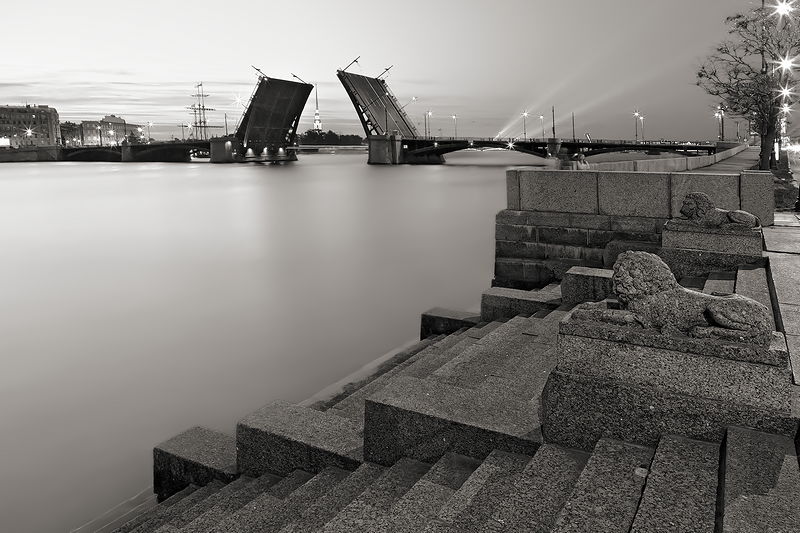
(446, 418)
(352, 407)
(282, 437)
(370, 508)
(160, 509)
(261, 505)
(681, 491)
(232, 502)
(502, 302)
(472, 504)
(425, 499)
(180, 509)
(761, 485)
(694, 283)
(539, 492)
(608, 491)
(205, 505)
(329, 505)
(720, 283)
(283, 512)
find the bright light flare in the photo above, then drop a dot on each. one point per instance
(783, 7)
(787, 63)
(28, 132)
(510, 145)
(786, 92)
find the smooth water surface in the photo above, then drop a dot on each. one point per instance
(141, 299)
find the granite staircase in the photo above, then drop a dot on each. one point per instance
(682, 485)
(446, 438)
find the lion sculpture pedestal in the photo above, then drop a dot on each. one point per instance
(709, 238)
(665, 360)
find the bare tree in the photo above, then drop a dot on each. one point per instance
(750, 72)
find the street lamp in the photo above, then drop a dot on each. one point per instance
(427, 116)
(720, 114)
(112, 135)
(524, 127)
(641, 119)
(455, 125)
(541, 117)
(100, 134)
(149, 124)
(636, 116)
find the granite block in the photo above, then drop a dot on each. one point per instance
(508, 268)
(585, 284)
(425, 419)
(762, 482)
(723, 189)
(514, 232)
(560, 191)
(196, 456)
(438, 321)
(512, 189)
(164, 516)
(282, 437)
(641, 414)
(793, 341)
(681, 491)
(563, 251)
(539, 492)
(230, 504)
(775, 354)
(329, 505)
(224, 494)
(759, 386)
(683, 234)
(608, 491)
(757, 194)
(637, 224)
(651, 198)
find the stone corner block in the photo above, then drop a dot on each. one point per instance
(723, 189)
(586, 284)
(757, 195)
(512, 189)
(438, 321)
(197, 456)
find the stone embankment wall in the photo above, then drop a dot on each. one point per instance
(561, 218)
(672, 164)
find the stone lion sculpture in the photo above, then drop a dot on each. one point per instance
(650, 297)
(700, 210)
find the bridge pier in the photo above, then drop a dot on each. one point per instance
(384, 150)
(225, 150)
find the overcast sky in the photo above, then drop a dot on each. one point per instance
(484, 61)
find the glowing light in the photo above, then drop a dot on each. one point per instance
(111, 132)
(525, 114)
(784, 7)
(510, 145)
(238, 100)
(787, 63)
(636, 113)
(139, 129)
(786, 108)
(149, 124)
(28, 132)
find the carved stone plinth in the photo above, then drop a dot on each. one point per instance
(636, 385)
(726, 240)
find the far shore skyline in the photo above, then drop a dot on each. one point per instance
(485, 64)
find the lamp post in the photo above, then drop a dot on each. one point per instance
(427, 116)
(113, 135)
(720, 114)
(100, 134)
(149, 124)
(524, 128)
(541, 117)
(455, 125)
(641, 119)
(636, 116)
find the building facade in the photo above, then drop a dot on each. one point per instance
(110, 131)
(29, 125)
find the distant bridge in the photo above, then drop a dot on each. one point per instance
(168, 151)
(393, 137)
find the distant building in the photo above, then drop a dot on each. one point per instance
(109, 131)
(317, 120)
(29, 125)
(70, 134)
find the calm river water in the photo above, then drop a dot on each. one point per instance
(141, 299)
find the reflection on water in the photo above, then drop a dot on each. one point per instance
(141, 299)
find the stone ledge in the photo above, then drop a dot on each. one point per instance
(197, 456)
(586, 284)
(501, 302)
(441, 321)
(775, 355)
(739, 241)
